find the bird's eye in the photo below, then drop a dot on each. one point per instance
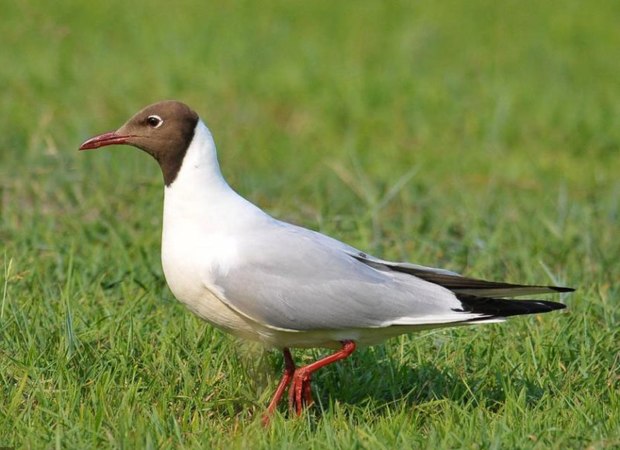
(154, 121)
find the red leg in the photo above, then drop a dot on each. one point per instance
(300, 389)
(289, 370)
(307, 392)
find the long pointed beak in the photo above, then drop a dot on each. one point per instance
(110, 138)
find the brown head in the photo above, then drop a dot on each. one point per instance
(164, 130)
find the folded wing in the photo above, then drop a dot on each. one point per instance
(292, 278)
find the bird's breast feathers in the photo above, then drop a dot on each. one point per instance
(190, 263)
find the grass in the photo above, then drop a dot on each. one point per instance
(478, 136)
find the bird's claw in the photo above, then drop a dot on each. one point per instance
(300, 392)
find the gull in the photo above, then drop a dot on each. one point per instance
(282, 285)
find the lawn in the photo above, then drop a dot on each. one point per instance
(479, 136)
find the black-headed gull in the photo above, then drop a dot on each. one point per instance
(286, 286)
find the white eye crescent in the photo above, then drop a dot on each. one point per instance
(154, 121)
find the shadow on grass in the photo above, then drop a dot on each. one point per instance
(383, 384)
(370, 379)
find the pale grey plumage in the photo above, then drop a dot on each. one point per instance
(296, 279)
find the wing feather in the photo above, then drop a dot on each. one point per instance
(460, 284)
(295, 279)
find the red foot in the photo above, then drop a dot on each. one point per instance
(289, 371)
(300, 392)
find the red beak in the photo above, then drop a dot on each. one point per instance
(110, 138)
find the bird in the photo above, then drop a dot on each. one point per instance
(285, 286)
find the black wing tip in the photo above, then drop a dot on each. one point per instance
(562, 289)
(557, 306)
(546, 306)
(459, 282)
(498, 307)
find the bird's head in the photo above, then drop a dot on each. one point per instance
(164, 130)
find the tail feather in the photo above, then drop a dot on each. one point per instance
(499, 307)
(485, 298)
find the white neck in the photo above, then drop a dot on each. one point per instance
(200, 198)
(200, 166)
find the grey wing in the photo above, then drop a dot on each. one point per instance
(296, 279)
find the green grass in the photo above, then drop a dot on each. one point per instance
(479, 136)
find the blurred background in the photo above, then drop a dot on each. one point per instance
(507, 91)
(317, 109)
(482, 136)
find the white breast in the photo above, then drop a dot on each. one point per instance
(201, 213)
(203, 217)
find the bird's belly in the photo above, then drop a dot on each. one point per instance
(188, 263)
(185, 281)
(189, 290)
